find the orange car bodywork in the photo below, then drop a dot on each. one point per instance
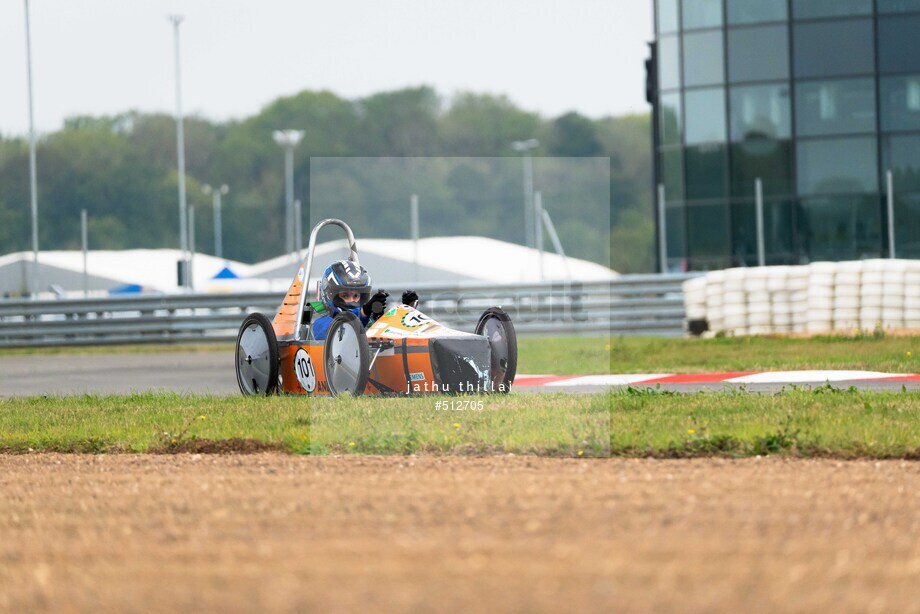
(398, 340)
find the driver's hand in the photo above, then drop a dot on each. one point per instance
(375, 305)
(410, 298)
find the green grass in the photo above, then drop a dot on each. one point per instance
(862, 352)
(144, 422)
(826, 421)
(602, 354)
(556, 425)
(592, 355)
(565, 355)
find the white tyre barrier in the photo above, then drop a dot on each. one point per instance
(819, 297)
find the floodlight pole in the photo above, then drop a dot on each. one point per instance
(413, 216)
(758, 210)
(662, 231)
(525, 148)
(554, 237)
(889, 181)
(538, 216)
(180, 150)
(84, 240)
(191, 246)
(216, 193)
(298, 226)
(33, 181)
(288, 140)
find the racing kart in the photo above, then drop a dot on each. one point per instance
(403, 352)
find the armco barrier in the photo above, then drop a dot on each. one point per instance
(629, 305)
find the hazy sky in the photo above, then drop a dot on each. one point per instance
(107, 56)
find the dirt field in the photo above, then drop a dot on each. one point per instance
(274, 532)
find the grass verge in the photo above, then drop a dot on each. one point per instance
(820, 422)
(556, 425)
(823, 422)
(867, 352)
(603, 354)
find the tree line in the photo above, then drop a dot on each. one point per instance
(122, 170)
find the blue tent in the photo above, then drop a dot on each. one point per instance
(226, 273)
(127, 289)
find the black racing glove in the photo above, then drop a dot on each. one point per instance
(410, 298)
(376, 305)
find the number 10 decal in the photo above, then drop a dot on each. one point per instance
(303, 368)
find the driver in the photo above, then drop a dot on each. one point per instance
(347, 286)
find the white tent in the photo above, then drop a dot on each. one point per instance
(391, 262)
(441, 259)
(149, 270)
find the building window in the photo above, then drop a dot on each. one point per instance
(832, 166)
(900, 100)
(676, 230)
(668, 63)
(756, 11)
(844, 106)
(898, 6)
(899, 44)
(703, 58)
(705, 116)
(701, 14)
(767, 160)
(778, 232)
(841, 227)
(667, 16)
(811, 9)
(670, 119)
(758, 54)
(760, 112)
(907, 225)
(707, 235)
(834, 48)
(707, 172)
(672, 174)
(901, 156)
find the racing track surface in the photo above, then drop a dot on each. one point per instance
(208, 372)
(141, 533)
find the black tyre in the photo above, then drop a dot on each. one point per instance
(257, 356)
(496, 326)
(346, 356)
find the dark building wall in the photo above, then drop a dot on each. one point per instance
(817, 99)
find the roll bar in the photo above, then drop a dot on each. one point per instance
(308, 264)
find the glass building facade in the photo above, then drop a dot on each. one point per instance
(816, 98)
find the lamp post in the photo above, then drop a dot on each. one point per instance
(180, 151)
(218, 231)
(288, 140)
(525, 148)
(33, 187)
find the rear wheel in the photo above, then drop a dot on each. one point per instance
(495, 325)
(346, 356)
(257, 356)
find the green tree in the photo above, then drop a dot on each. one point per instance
(573, 134)
(485, 125)
(122, 170)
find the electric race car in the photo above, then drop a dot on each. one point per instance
(403, 352)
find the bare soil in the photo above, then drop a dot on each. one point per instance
(283, 533)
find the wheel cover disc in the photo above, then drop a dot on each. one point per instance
(344, 360)
(494, 331)
(254, 359)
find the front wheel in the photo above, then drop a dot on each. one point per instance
(257, 356)
(346, 356)
(495, 325)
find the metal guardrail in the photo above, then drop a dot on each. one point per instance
(629, 305)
